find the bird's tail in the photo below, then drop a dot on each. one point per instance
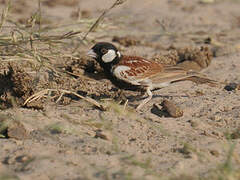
(200, 78)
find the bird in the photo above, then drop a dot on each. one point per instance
(135, 72)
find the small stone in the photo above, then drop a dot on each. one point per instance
(238, 87)
(216, 118)
(207, 1)
(17, 130)
(214, 153)
(186, 149)
(227, 108)
(103, 135)
(235, 134)
(193, 123)
(126, 41)
(231, 86)
(10, 128)
(216, 133)
(172, 109)
(23, 158)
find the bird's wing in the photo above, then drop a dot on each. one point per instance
(136, 70)
(169, 74)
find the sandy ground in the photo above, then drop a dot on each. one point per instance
(79, 141)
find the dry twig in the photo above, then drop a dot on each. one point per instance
(4, 15)
(44, 92)
(94, 26)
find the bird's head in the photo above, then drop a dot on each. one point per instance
(105, 54)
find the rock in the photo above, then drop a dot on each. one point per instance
(103, 135)
(214, 153)
(216, 118)
(23, 158)
(235, 134)
(207, 1)
(232, 87)
(126, 41)
(17, 130)
(10, 128)
(193, 123)
(172, 109)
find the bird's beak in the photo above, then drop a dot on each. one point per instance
(91, 53)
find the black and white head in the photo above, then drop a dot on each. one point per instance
(105, 53)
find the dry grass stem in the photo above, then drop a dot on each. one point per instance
(100, 18)
(125, 104)
(4, 15)
(44, 92)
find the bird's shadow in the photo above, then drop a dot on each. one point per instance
(159, 112)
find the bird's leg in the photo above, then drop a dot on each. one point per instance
(125, 104)
(149, 93)
(121, 96)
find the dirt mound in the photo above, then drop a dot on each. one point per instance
(15, 87)
(195, 59)
(12, 128)
(127, 40)
(89, 78)
(188, 58)
(53, 3)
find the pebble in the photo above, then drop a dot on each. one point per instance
(172, 109)
(232, 87)
(11, 128)
(193, 123)
(214, 153)
(103, 135)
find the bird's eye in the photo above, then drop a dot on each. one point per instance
(104, 51)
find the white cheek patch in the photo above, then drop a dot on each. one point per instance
(109, 56)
